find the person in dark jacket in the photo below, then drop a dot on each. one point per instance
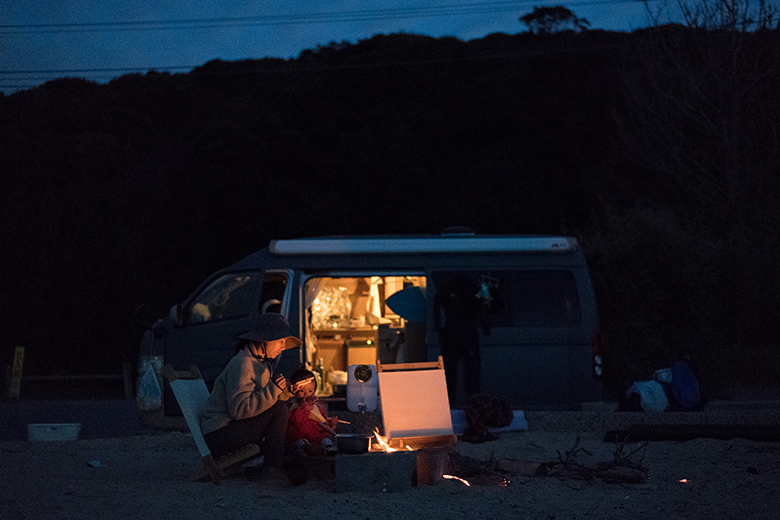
(459, 313)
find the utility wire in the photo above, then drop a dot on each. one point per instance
(286, 19)
(220, 22)
(74, 71)
(326, 67)
(315, 68)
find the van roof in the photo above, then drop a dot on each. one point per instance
(450, 243)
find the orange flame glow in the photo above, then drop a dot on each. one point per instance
(383, 445)
(453, 477)
(382, 442)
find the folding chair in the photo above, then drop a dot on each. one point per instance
(191, 394)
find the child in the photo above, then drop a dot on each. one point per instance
(309, 432)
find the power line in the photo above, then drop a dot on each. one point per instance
(245, 21)
(350, 66)
(79, 71)
(308, 69)
(23, 74)
(47, 75)
(286, 19)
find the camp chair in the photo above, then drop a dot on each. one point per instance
(191, 394)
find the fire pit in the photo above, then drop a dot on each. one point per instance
(389, 468)
(409, 423)
(376, 471)
(353, 443)
(432, 465)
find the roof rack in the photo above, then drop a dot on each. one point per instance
(430, 244)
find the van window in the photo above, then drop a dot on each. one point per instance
(274, 287)
(228, 296)
(527, 298)
(545, 298)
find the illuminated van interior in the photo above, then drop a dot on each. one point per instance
(349, 321)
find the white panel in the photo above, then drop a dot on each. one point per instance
(414, 403)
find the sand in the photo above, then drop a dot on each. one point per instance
(146, 476)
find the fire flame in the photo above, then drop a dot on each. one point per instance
(453, 477)
(382, 442)
(383, 445)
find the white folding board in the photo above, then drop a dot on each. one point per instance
(414, 403)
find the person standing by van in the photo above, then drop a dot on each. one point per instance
(458, 315)
(248, 402)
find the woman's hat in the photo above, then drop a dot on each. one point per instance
(270, 327)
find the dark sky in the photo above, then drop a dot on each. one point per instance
(103, 39)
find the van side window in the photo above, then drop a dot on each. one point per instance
(274, 286)
(546, 298)
(228, 296)
(529, 298)
(499, 286)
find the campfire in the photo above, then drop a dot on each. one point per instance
(419, 434)
(431, 463)
(382, 444)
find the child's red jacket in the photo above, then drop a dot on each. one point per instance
(302, 425)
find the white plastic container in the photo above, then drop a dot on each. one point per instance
(362, 388)
(53, 432)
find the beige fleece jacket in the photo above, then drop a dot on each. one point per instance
(243, 390)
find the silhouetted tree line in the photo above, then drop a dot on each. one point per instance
(658, 149)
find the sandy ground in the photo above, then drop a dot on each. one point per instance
(146, 476)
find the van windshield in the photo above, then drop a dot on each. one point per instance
(233, 295)
(228, 296)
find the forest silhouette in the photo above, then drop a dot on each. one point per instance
(658, 149)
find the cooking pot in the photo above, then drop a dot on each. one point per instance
(353, 443)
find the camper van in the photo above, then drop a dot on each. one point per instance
(356, 300)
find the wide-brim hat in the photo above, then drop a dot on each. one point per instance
(271, 327)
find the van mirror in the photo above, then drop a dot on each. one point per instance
(176, 314)
(158, 330)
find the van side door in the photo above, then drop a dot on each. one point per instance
(539, 339)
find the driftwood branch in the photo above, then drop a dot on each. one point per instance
(622, 469)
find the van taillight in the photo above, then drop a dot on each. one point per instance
(597, 350)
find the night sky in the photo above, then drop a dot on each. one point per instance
(103, 39)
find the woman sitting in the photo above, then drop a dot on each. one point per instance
(248, 401)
